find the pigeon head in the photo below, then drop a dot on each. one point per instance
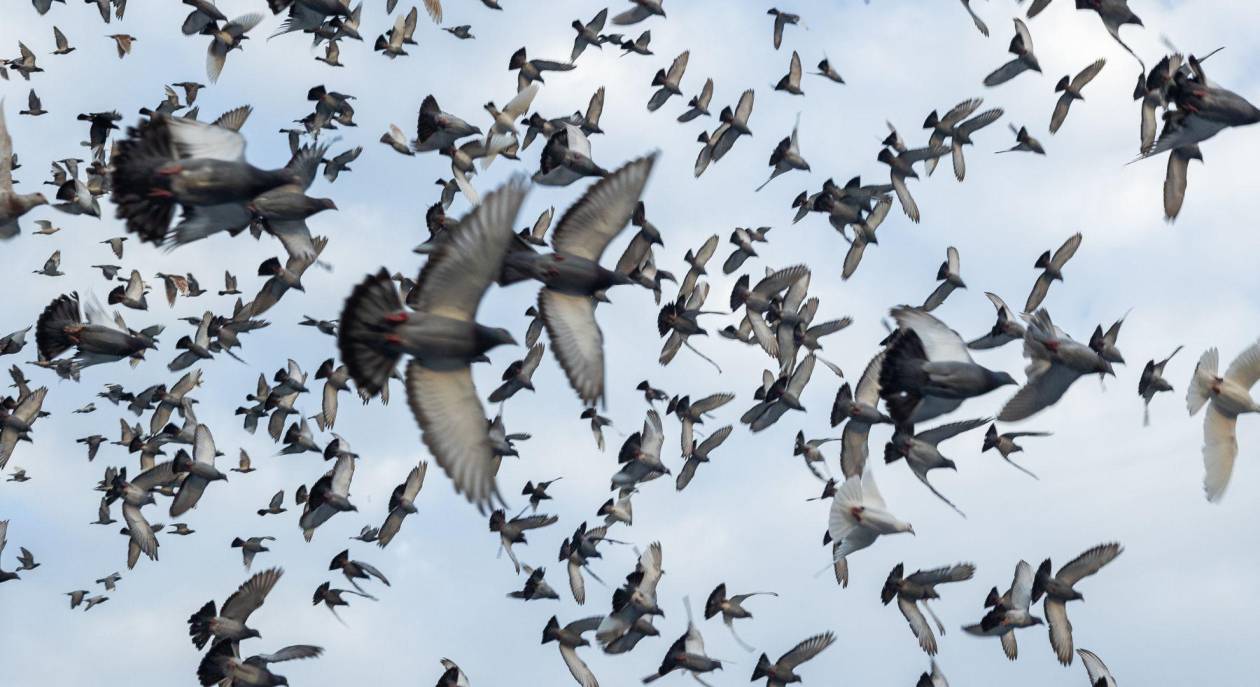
(998, 379)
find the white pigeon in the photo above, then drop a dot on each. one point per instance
(1230, 396)
(858, 517)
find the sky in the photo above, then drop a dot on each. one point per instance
(1175, 608)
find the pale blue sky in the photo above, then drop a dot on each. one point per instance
(1176, 608)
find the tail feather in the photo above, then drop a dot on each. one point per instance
(199, 625)
(1039, 581)
(51, 338)
(1205, 373)
(361, 338)
(763, 667)
(147, 148)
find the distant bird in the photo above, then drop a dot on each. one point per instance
(640, 10)
(950, 279)
(275, 506)
(1097, 671)
(402, 502)
(687, 653)
(536, 586)
(221, 665)
(251, 547)
(731, 608)
(1022, 47)
(355, 570)
(829, 72)
(1005, 330)
(228, 624)
(34, 108)
(513, 531)
(1227, 396)
(1009, 612)
(791, 82)
(1072, 91)
(783, 671)
(1152, 382)
(700, 454)
(1005, 445)
(123, 43)
(1024, 142)
(588, 33)
(569, 638)
(1052, 271)
(921, 450)
(918, 588)
(1060, 588)
(668, 82)
(787, 156)
(782, 19)
(699, 104)
(16, 423)
(230, 36)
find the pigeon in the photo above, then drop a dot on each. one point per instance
(731, 608)
(1055, 362)
(228, 624)
(536, 586)
(786, 157)
(640, 10)
(921, 452)
(686, 653)
(355, 570)
(783, 671)
(1022, 47)
(230, 36)
(791, 82)
(443, 338)
(251, 547)
(1024, 142)
(572, 277)
(858, 517)
(1097, 671)
(513, 531)
(1052, 271)
(826, 70)
(1009, 612)
(927, 370)
(1005, 445)
(918, 588)
(949, 278)
(1152, 382)
(1059, 589)
(12, 204)
(588, 34)
(700, 454)
(668, 82)
(1229, 396)
(1005, 330)
(328, 496)
(16, 423)
(569, 638)
(1114, 14)
(200, 471)
(401, 504)
(699, 104)
(782, 19)
(1072, 91)
(221, 665)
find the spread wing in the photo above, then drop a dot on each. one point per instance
(457, 275)
(602, 212)
(250, 595)
(576, 339)
(453, 425)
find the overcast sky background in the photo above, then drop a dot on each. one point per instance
(1176, 608)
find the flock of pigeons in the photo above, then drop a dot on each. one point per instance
(172, 178)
